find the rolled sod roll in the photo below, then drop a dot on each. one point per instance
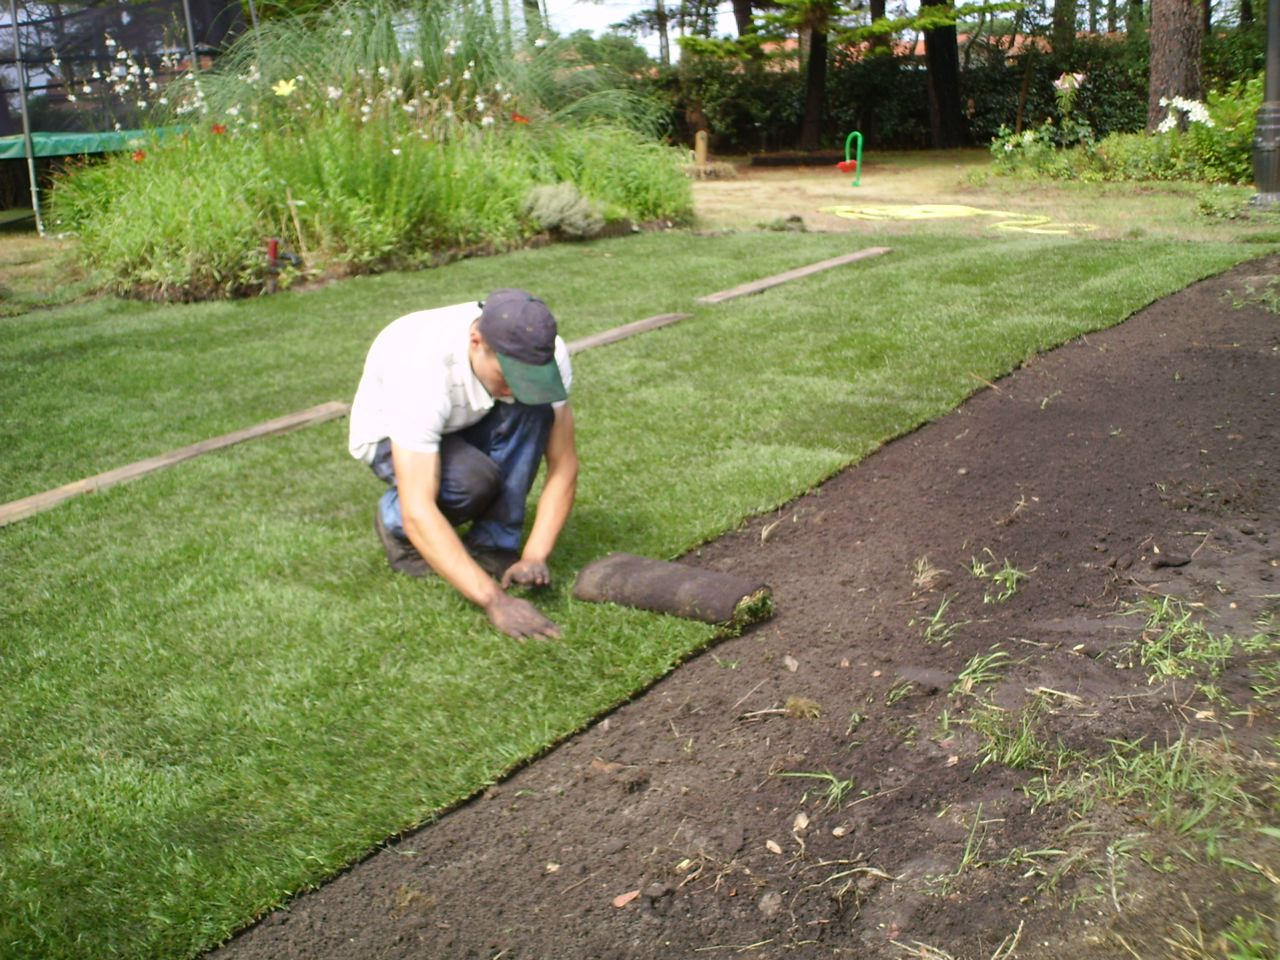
(673, 588)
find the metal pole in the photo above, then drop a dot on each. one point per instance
(27, 143)
(191, 36)
(1266, 140)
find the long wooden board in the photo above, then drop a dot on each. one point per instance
(26, 507)
(627, 330)
(755, 286)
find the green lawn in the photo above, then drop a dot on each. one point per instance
(215, 692)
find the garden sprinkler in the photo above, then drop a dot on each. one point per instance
(852, 162)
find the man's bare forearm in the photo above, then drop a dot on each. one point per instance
(437, 541)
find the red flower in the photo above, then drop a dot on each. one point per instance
(519, 118)
(847, 166)
(219, 128)
(139, 156)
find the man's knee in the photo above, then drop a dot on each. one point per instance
(469, 481)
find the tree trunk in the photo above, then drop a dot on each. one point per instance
(1207, 23)
(880, 41)
(815, 78)
(1246, 11)
(942, 58)
(1064, 27)
(664, 41)
(1111, 16)
(742, 17)
(1175, 55)
(533, 25)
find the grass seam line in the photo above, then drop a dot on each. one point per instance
(37, 503)
(756, 286)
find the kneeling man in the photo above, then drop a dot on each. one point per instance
(455, 410)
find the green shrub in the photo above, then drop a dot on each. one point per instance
(364, 137)
(1215, 147)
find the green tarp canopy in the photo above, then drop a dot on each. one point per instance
(70, 144)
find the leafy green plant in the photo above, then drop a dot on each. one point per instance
(833, 794)
(1004, 580)
(981, 670)
(1174, 644)
(936, 628)
(1012, 740)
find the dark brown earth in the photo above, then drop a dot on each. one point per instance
(690, 823)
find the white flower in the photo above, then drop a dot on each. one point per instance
(1008, 148)
(466, 74)
(163, 101)
(56, 61)
(122, 54)
(142, 104)
(395, 151)
(486, 121)
(384, 72)
(109, 42)
(86, 89)
(333, 92)
(233, 111)
(417, 63)
(1168, 123)
(452, 47)
(480, 105)
(346, 32)
(407, 108)
(71, 98)
(540, 42)
(498, 86)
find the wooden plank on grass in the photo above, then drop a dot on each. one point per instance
(755, 286)
(29, 506)
(626, 330)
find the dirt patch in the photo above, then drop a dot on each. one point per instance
(845, 779)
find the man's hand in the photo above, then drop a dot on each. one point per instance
(527, 573)
(519, 618)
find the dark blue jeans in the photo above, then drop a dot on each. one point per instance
(486, 472)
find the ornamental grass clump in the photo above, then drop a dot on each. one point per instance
(364, 137)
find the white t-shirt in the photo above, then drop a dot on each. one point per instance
(418, 383)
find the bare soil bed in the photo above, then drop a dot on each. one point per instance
(817, 787)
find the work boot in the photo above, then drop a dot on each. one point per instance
(493, 560)
(402, 555)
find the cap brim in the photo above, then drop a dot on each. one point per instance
(533, 384)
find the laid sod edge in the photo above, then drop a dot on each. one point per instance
(37, 503)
